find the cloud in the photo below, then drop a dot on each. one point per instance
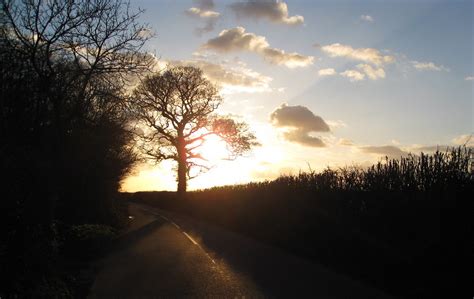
(336, 124)
(428, 66)
(304, 138)
(375, 61)
(274, 11)
(299, 123)
(353, 75)
(369, 55)
(298, 117)
(372, 73)
(431, 148)
(467, 140)
(469, 78)
(232, 79)
(390, 151)
(393, 151)
(291, 60)
(327, 72)
(345, 142)
(205, 4)
(204, 11)
(146, 33)
(367, 18)
(236, 39)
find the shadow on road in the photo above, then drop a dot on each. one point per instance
(133, 236)
(275, 272)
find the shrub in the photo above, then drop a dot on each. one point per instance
(372, 224)
(89, 240)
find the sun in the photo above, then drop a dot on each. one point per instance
(214, 149)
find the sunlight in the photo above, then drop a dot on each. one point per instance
(213, 150)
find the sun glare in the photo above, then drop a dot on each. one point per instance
(213, 150)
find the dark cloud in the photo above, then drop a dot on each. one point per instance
(300, 122)
(304, 138)
(298, 117)
(204, 11)
(274, 11)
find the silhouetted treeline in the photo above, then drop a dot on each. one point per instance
(399, 225)
(64, 146)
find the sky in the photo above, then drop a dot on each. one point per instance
(321, 83)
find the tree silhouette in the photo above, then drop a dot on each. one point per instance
(174, 110)
(65, 68)
(64, 147)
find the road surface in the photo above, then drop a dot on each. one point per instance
(173, 256)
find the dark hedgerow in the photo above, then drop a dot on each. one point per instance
(398, 224)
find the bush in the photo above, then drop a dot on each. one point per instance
(89, 240)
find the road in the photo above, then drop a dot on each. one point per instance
(167, 255)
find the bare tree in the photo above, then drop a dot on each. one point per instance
(175, 113)
(81, 41)
(63, 67)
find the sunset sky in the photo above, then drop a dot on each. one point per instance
(321, 83)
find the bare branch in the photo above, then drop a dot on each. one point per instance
(177, 105)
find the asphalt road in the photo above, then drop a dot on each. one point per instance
(173, 256)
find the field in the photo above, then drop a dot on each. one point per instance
(400, 225)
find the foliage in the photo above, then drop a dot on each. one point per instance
(64, 144)
(89, 240)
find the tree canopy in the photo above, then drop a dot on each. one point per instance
(176, 111)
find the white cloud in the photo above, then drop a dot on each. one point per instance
(203, 13)
(367, 18)
(428, 66)
(353, 75)
(469, 78)
(236, 39)
(336, 124)
(327, 72)
(291, 60)
(146, 33)
(369, 55)
(371, 72)
(232, 79)
(274, 11)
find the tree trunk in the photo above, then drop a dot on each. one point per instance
(182, 166)
(182, 176)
